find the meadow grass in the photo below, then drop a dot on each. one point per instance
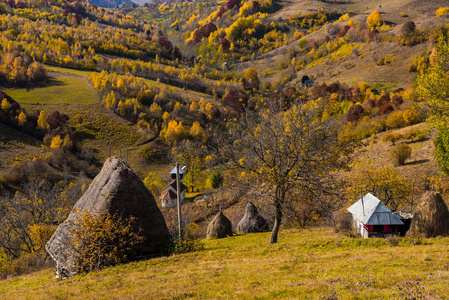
(66, 70)
(307, 264)
(64, 88)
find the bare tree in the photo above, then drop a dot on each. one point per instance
(31, 213)
(280, 150)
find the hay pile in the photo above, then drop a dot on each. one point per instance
(219, 227)
(117, 189)
(252, 221)
(431, 217)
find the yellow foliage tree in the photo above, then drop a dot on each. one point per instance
(209, 106)
(165, 116)
(180, 131)
(42, 120)
(374, 20)
(56, 142)
(155, 109)
(5, 105)
(22, 118)
(194, 106)
(195, 130)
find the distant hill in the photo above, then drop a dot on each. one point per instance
(112, 3)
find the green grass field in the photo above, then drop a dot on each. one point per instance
(308, 264)
(69, 88)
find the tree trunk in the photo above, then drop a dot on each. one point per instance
(277, 224)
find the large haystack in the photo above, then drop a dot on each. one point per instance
(252, 221)
(219, 227)
(116, 190)
(431, 217)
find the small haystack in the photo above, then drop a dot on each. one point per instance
(219, 227)
(252, 221)
(431, 217)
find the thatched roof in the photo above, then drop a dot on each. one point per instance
(431, 217)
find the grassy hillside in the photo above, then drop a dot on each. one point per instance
(308, 264)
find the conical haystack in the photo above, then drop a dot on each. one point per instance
(116, 190)
(431, 217)
(252, 221)
(219, 227)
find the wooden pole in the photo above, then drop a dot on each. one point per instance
(178, 198)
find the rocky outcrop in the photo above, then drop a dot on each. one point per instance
(219, 227)
(116, 190)
(252, 221)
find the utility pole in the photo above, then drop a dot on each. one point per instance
(178, 198)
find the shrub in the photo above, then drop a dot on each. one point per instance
(189, 243)
(400, 153)
(342, 221)
(385, 109)
(355, 112)
(391, 137)
(442, 11)
(386, 60)
(102, 240)
(402, 118)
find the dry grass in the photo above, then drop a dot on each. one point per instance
(309, 264)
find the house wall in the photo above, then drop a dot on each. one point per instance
(362, 229)
(170, 203)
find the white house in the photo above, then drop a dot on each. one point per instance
(169, 195)
(372, 218)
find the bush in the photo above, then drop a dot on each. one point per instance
(102, 240)
(342, 221)
(400, 153)
(391, 137)
(216, 180)
(442, 11)
(190, 242)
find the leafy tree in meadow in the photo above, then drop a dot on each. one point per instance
(279, 150)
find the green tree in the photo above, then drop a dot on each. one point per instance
(432, 89)
(277, 151)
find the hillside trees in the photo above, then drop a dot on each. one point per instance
(278, 151)
(20, 69)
